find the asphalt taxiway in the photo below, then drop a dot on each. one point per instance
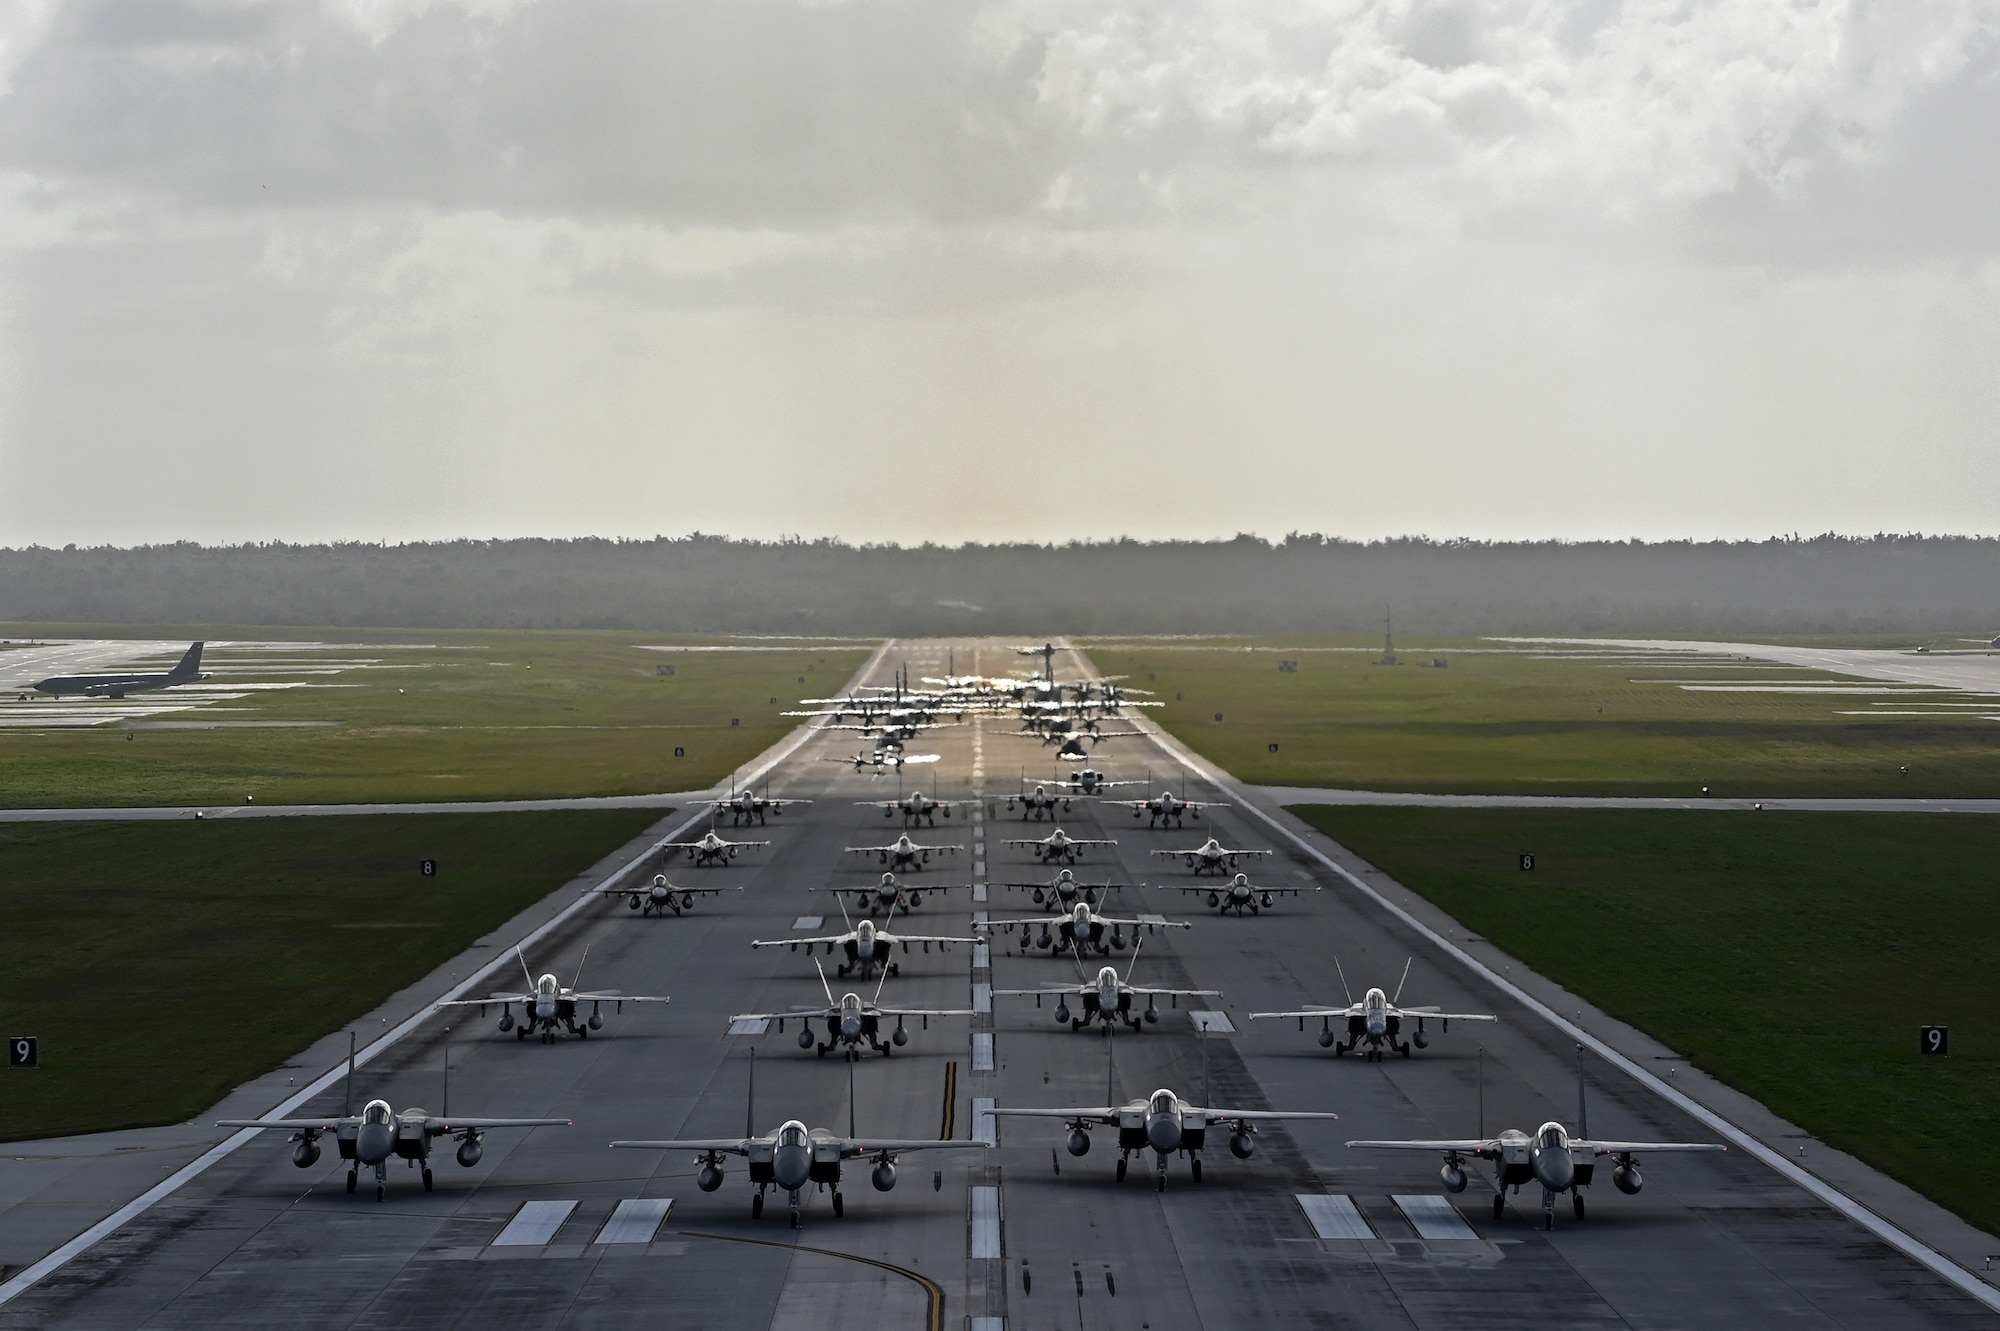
(548, 1229)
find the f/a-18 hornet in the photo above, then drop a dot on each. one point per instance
(1211, 856)
(867, 946)
(1107, 999)
(889, 896)
(1080, 931)
(1165, 1124)
(710, 848)
(1064, 889)
(1550, 1157)
(903, 854)
(744, 805)
(548, 1008)
(850, 1022)
(1059, 847)
(1240, 894)
(378, 1133)
(795, 1157)
(1375, 1021)
(661, 896)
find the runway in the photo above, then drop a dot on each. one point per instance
(1025, 1233)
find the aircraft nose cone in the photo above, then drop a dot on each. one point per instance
(792, 1166)
(1377, 1027)
(851, 1029)
(1164, 1132)
(374, 1142)
(1554, 1169)
(545, 1007)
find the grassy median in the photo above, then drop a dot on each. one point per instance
(1793, 955)
(163, 963)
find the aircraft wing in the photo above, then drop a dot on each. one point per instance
(1620, 1148)
(490, 998)
(1102, 1113)
(1312, 1010)
(647, 887)
(831, 940)
(328, 1124)
(921, 938)
(1261, 1115)
(615, 996)
(1045, 989)
(437, 1127)
(731, 1146)
(1433, 1014)
(1183, 993)
(1464, 1146)
(854, 1146)
(921, 1012)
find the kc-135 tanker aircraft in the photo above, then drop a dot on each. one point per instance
(1002, 1231)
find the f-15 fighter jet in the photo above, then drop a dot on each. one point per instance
(379, 1134)
(1167, 1125)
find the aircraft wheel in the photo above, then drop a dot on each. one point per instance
(1161, 1184)
(352, 1180)
(1548, 1220)
(520, 1032)
(1576, 1204)
(1121, 1171)
(1339, 1049)
(1405, 1048)
(757, 1206)
(381, 1190)
(839, 1206)
(1194, 1170)
(427, 1178)
(795, 1218)
(1499, 1204)
(583, 1032)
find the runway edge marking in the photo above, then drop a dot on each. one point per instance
(1882, 1229)
(35, 1273)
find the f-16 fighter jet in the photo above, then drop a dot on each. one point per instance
(1375, 1021)
(378, 1133)
(710, 848)
(1212, 857)
(744, 805)
(549, 1007)
(889, 895)
(661, 896)
(1079, 931)
(1038, 803)
(1240, 894)
(1089, 781)
(1549, 1157)
(904, 854)
(915, 807)
(1063, 889)
(850, 1022)
(1106, 998)
(1059, 847)
(1166, 808)
(1165, 1124)
(795, 1157)
(867, 946)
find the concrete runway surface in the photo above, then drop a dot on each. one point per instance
(525, 1238)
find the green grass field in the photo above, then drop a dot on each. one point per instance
(1793, 955)
(164, 963)
(446, 716)
(1504, 723)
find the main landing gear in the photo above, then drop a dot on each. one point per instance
(427, 1178)
(757, 1205)
(353, 1178)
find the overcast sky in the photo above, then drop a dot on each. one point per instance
(948, 270)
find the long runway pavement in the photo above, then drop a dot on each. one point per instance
(552, 1229)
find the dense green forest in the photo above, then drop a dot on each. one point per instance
(1816, 585)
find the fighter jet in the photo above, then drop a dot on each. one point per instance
(850, 1022)
(1212, 856)
(867, 945)
(794, 1156)
(1064, 888)
(889, 895)
(883, 760)
(661, 896)
(187, 671)
(710, 848)
(1089, 781)
(1240, 894)
(904, 854)
(378, 1132)
(1078, 931)
(1038, 803)
(1165, 807)
(1059, 847)
(1107, 999)
(1072, 740)
(746, 804)
(1549, 1157)
(548, 1008)
(1165, 1124)
(1375, 1021)
(915, 807)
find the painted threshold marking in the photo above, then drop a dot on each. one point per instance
(1215, 1023)
(1889, 1233)
(534, 1224)
(26, 1280)
(982, 957)
(985, 1222)
(1434, 1218)
(982, 1121)
(635, 1220)
(982, 997)
(982, 1051)
(989, 1324)
(1333, 1216)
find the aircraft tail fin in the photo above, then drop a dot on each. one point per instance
(1582, 1109)
(750, 1099)
(347, 1102)
(190, 665)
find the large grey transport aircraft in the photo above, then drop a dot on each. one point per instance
(187, 671)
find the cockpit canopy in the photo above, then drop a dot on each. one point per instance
(548, 984)
(1163, 1102)
(1552, 1136)
(888, 880)
(792, 1134)
(1375, 1000)
(850, 1002)
(1082, 914)
(378, 1112)
(864, 932)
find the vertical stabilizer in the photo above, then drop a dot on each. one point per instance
(1582, 1110)
(190, 664)
(750, 1100)
(347, 1100)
